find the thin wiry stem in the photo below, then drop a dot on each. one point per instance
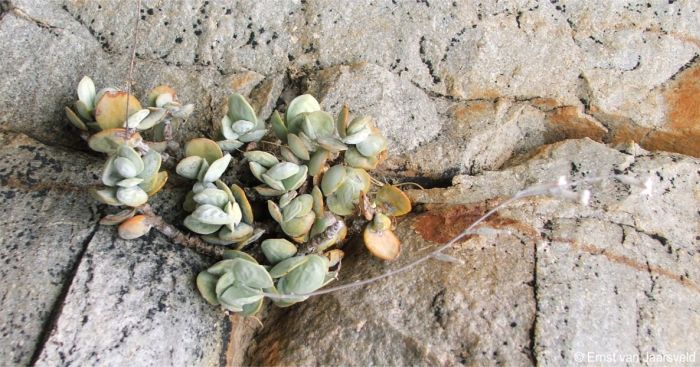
(410, 183)
(404, 268)
(551, 189)
(129, 80)
(271, 143)
(376, 182)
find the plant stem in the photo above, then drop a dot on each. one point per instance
(129, 130)
(180, 238)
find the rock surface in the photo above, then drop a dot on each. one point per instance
(47, 217)
(74, 293)
(558, 282)
(136, 299)
(463, 87)
(480, 82)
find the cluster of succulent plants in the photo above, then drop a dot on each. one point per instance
(315, 180)
(317, 172)
(239, 283)
(111, 120)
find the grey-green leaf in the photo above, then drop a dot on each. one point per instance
(135, 119)
(206, 283)
(230, 144)
(275, 184)
(86, 91)
(217, 169)
(240, 109)
(132, 196)
(252, 275)
(295, 182)
(278, 249)
(226, 129)
(151, 164)
(210, 214)
(212, 196)
(287, 265)
(282, 170)
(307, 277)
(130, 154)
(241, 127)
(196, 226)
(124, 167)
(301, 104)
(129, 182)
(263, 158)
(189, 167)
(332, 179)
(372, 145)
(254, 135)
(155, 116)
(240, 295)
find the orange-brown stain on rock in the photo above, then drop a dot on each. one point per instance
(241, 81)
(465, 112)
(569, 122)
(682, 131)
(544, 104)
(440, 224)
(683, 100)
(627, 132)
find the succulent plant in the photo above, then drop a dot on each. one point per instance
(279, 177)
(131, 172)
(163, 98)
(309, 133)
(236, 283)
(327, 230)
(107, 108)
(380, 240)
(240, 125)
(304, 219)
(130, 177)
(299, 275)
(307, 129)
(294, 214)
(313, 220)
(369, 144)
(378, 236)
(342, 186)
(220, 213)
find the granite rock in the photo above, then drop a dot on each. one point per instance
(556, 282)
(477, 88)
(77, 294)
(48, 217)
(136, 299)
